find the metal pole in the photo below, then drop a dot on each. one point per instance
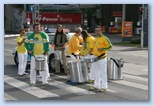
(123, 12)
(142, 35)
(123, 16)
(57, 8)
(24, 7)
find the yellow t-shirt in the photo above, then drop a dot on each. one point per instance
(20, 48)
(88, 45)
(101, 42)
(38, 44)
(74, 45)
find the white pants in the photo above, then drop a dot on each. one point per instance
(40, 72)
(44, 74)
(92, 71)
(101, 74)
(22, 58)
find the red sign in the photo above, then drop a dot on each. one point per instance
(113, 30)
(54, 18)
(116, 13)
(127, 29)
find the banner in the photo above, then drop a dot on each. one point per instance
(127, 29)
(54, 18)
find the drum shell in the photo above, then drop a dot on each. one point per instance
(40, 64)
(78, 71)
(90, 59)
(58, 54)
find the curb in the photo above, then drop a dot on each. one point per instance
(6, 36)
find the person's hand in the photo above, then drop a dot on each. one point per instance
(90, 51)
(52, 45)
(100, 49)
(64, 46)
(24, 39)
(30, 52)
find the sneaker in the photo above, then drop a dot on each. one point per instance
(91, 81)
(38, 76)
(45, 84)
(92, 88)
(25, 73)
(101, 90)
(20, 75)
(31, 84)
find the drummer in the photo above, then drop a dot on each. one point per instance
(60, 42)
(76, 42)
(37, 45)
(100, 47)
(88, 43)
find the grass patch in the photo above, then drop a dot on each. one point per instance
(132, 43)
(126, 44)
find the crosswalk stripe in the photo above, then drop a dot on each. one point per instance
(8, 50)
(136, 78)
(66, 77)
(8, 97)
(123, 82)
(131, 84)
(25, 87)
(70, 88)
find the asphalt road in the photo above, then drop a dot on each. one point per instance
(134, 85)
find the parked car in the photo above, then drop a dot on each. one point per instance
(51, 58)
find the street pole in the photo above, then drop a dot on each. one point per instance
(123, 17)
(123, 12)
(142, 35)
(57, 8)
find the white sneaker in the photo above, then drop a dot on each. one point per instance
(38, 76)
(25, 73)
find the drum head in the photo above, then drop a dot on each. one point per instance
(39, 59)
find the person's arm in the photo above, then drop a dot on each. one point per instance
(76, 44)
(21, 42)
(66, 40)
(29, 43)
(46, 44)
(107, 45)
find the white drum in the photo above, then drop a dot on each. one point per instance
(40, 63)
(58, 54)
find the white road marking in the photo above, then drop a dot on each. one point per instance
(8, 97)
(25, 87)
(69, 88)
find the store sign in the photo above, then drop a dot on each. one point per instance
(54, 18)
(117, 14)
(127, 29)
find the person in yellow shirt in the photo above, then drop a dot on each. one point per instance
(75, 43)
(100, 47)
(39, 72)
(88, 44)
(22, 53)
(37, 45)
